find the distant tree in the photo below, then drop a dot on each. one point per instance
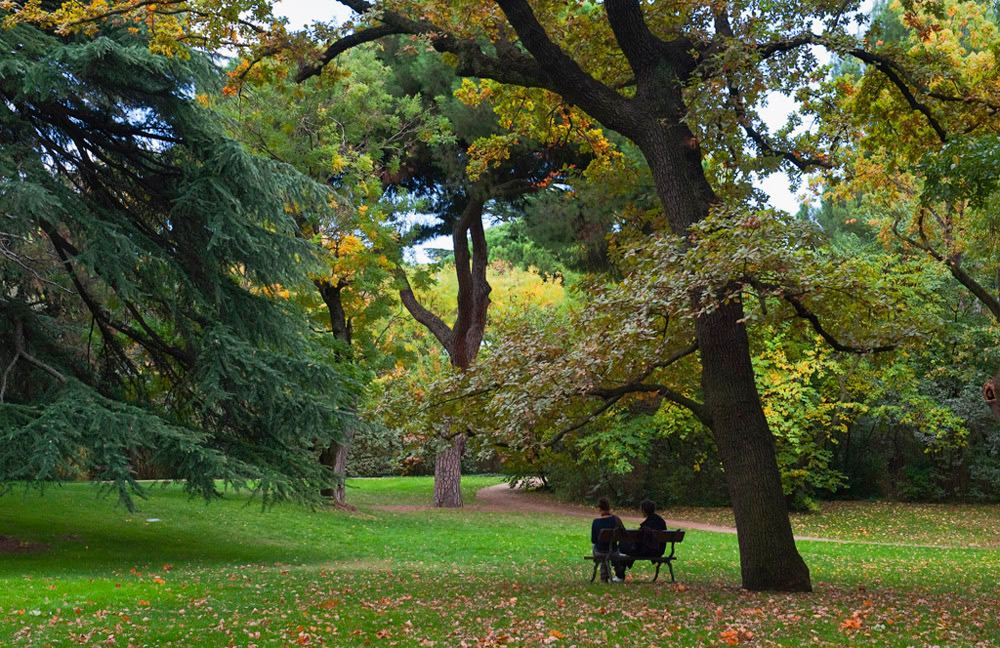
(347, 131)
(459, 195)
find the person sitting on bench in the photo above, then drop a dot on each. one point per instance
(649, 547)
(606, 520)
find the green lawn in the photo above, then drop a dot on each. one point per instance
(948, 525)
(228, 574)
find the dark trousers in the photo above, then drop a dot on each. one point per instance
(619, 567)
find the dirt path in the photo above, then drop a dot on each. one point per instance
(504, 498)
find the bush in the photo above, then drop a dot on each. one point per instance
(376, 451)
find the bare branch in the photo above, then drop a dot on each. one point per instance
(585, 421)
(698, 409)
(811, 317)
(889, 68)
(765, 147)
(677, 355)
(21, 352)
(956, 270)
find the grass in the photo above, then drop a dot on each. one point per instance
(228, 574)
(941, 525)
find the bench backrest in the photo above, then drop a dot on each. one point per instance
(635, 535)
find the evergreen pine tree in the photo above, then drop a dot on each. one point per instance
(144, 256)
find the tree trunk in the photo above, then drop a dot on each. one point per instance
(462, 340)
(335, 456)
(990, 391)
(769, 559)
(448, 475)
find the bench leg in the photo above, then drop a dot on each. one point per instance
(657, 574)
(670, 566)
(594, 575)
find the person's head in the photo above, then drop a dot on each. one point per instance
(604, 505)
(647, 506)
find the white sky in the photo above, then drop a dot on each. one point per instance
(301, 13)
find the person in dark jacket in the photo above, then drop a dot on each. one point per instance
(606, 520)
(649, 547)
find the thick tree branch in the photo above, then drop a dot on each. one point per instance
(473, 288)
(811, 317)
(432, 322)
(510, 65)
(639, 45)
(307, 70)
(568, 79)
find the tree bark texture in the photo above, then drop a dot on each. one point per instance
(448, 475)
(769, 559)
(336, 458)
(991, 391)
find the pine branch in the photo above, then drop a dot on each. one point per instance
(21, 352)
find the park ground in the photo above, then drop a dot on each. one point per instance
(505, 571)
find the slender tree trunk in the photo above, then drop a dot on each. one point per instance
(990, 391)
(335, 456)
(462, 340)
(448, 474)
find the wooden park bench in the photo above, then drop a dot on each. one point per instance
(615, 536)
